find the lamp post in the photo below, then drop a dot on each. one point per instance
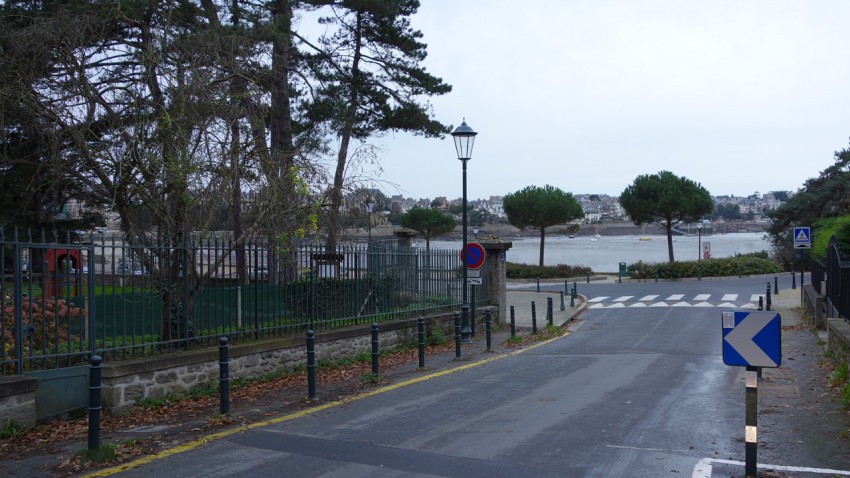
(699, 241)
(475, 233)
(464, 138)
(369, 206)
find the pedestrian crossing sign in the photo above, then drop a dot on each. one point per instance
(802, 238)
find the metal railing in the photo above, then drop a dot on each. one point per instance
(63, 302)
(835, 270)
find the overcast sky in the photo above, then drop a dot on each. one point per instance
(585, 95)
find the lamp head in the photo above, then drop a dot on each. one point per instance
(464, 137)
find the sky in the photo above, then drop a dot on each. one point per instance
(586, 95)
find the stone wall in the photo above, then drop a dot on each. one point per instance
(838, 342)
(126, 382)
(17, 401)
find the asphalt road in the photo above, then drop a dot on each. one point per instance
(630, 392)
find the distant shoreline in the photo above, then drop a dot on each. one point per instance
(614, 228)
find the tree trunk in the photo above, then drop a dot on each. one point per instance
(669, 227)
(542, 242)
(345, 138)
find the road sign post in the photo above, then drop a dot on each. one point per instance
(752, 340)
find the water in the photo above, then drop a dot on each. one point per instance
(603, 254)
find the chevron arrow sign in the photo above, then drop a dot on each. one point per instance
(752, 339)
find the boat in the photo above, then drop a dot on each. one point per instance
(644, 238)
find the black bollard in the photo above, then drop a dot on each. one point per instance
(223, 376)
(375, 353)
(457, 336)
(533, 318)
(311, 365)
(420, 325)
(793, 277)
(562, 301)
(572, 300)
(761, 303)
(768, 301)
(549, 311)
(538, 284)
(566, 287)
(656, 276)
(513, 322)
(699, 274)
(588, 277)
(775, 285)
(95, 388)
(487, 327)
(575, 288)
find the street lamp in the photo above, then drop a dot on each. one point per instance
(475, 232)
(369, 206)
(464, 138)
(699, 241)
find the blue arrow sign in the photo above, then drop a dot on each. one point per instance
(752, 339)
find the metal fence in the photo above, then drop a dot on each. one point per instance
(835, 270)
(63, 300)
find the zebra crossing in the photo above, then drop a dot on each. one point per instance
(731, 301)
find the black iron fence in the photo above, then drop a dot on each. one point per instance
(835, 271)
(64, 300)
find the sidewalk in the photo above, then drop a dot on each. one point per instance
(522, 300)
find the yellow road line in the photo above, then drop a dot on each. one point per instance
(309, 411)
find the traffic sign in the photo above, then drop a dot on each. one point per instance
(802, 238)
(706, 255)
(752, 339)
(474, 281)
(472, 255)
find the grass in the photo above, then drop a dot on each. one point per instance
(104, 454)
(11, 429)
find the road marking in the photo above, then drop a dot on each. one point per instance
(703, 304)
(648, 298)
(749, 306)
(660, 304)
(638, 304)
(596, 306)
(729, 297)
(675, 297)
(618, 305)
(681, 304)
(598, 299)
(702, 297)
(755, 297)
(703, 468)
(623, 298)
(729, 305)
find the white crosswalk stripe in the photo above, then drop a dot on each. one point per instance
(726, 301)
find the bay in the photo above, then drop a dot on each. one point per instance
(604, 253)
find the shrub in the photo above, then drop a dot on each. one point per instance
(731, 266)
(525, 271)
(46, 323)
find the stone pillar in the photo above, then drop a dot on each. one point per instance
(404, 237)
(496, 274)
